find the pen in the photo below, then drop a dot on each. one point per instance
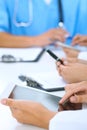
(54, 56)
(55, 89)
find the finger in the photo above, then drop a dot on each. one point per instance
(68, 51)
(69, 60)
(59, 37)
(58, 63)
(9, 102)
(76, 42)
(76, 39)
(80, 41)
(71, 92)
(16, 104)
(61, 69)
(62, 31)
(61, 34)
(68, 88)
(79, 99)
(72, 60)
(65, 62)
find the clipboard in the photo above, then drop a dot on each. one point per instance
(21, 55)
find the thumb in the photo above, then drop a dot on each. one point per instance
(9, 102)
(78, 99)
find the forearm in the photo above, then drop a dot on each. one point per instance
(12, 41)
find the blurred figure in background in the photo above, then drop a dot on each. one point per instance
(73, 72)
(36, 23)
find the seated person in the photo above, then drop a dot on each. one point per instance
(80, 39)
(73, 53)
(34, 113)
(73, 68)
(72, 72)
(22, 23)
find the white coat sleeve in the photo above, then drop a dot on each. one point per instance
(69, 120)
(82, 55)
(84, 106)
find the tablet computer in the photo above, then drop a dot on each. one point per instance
(27, 93)
(65, 45)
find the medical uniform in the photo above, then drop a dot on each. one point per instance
(33, 17)
(69, 120)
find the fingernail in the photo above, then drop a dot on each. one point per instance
(58, 63)
(3, 101)
(73, 99)
(65, 62)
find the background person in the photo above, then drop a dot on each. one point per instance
(22, 23)
(72, 72)
(80, 39)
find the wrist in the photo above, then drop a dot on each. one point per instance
(47, 117)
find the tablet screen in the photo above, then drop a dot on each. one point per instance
(27, 93)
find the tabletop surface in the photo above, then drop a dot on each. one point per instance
(9, 73)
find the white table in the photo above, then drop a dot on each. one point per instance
(9, 73)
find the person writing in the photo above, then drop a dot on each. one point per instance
(75, 64)
(80, 39)
(74, 53)
(22, 23)
(72, 72)
(33, 113)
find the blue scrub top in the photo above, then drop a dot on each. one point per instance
(44, 16)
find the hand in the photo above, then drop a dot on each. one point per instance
(73, 72)
(60, 34)
(70, 60)
(50, 37)
(42, 40)
(76, 93)
(73, 60)
(80, 39)
(69, 106)
(29, 112)
(71, 52)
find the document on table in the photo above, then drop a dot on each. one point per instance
(26, 54)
